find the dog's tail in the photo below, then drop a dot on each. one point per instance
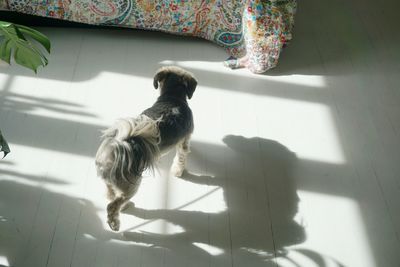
(128, 148)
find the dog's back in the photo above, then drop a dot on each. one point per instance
(176, 120)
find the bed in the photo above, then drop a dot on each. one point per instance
(256, 30)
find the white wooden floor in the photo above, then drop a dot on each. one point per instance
(295, 168)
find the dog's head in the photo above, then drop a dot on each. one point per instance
(175, 81)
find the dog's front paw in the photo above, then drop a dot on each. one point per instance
(114, 224)
(177, 170)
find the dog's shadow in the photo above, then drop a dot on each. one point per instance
(255, 175)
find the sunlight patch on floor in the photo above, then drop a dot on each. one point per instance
(258, 252)
(314, 137)
(305, 128)
(4, 261)
(4, 79)
(295, 258)
(315, 81)
(117, 95)
(189, 196)
(161, 227)
(40, 169)
(212, 250)
(340, 221)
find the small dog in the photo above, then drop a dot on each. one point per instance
(133, 145)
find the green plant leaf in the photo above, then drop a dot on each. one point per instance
(5, 51)
(38, 36)
(28, 57)
(3, 145)
(4, 24)
(15, 43)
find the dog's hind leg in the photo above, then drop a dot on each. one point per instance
(110, 192)
(120, 200)
(182, 150)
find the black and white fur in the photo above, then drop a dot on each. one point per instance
(133, 145)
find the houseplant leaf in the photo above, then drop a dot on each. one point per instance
(38, 36)
(4, 24)
(15, 43)
(5, 51)
(3, 145)
(27, 56)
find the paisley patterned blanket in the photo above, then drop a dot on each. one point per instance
(256, 29)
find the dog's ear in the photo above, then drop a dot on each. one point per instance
(192, 84)
(160, 75)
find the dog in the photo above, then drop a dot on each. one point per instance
(133, 145)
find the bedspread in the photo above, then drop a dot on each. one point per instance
(257, 29)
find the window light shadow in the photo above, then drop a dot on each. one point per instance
(35, 234)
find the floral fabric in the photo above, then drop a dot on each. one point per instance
(256, 28)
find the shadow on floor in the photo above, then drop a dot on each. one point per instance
(259, 221)
(255, 228)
